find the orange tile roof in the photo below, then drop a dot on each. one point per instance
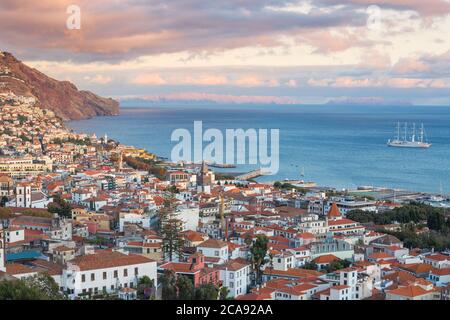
(441, 272)
(409, 291)
(17, 268)
(380, 255)
(108, 259)
(334, 211)
(213, 243)
(326, 258)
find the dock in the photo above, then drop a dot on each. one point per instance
(250, 175)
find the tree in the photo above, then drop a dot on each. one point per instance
(173, 241)
(223, 293)
(310, 265)
(3, 201)
(185, 288)
(168, 285)
(337, 265)
(170, 229)
(5, 213)
(60, 207)
(258, 255)
(248, 240)
(46, 285)
(145, 288)
(38, 287)
(207, 292)
(277, 184)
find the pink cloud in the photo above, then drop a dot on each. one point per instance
(98, 79)
(409, 65)
(153, 79)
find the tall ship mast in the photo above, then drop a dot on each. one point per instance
(412, 142)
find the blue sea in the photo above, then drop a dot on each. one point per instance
(337, 146)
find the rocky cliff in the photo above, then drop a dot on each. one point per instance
(62, 97)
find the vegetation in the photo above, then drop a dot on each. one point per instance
(145, 288)
(168, 284)
(186, 290)
(337, 265)
(22, 119)
(289, 186)
(311, 265)
(224, 176)
(172, 189)
(413, 218)
(39, 287)
(60, 207)
(81, 142)
(146, 165)
(206, 292)
(180, 287)
(5, 213)
(258, 252)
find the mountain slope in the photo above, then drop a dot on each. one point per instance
(62, 97)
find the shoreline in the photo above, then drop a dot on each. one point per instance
(313, 169)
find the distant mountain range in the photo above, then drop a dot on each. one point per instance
(368, 101)
(62, 97)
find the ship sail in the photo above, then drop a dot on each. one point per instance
(412, 142)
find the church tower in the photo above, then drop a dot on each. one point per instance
(334, 213)
(120, 161)
(205, 179)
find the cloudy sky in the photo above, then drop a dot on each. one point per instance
(282, 51)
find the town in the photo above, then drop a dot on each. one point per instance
(90, 218)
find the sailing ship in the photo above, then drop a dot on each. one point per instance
(412, 142)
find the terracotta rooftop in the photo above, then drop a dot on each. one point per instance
(108, 259)
(334, 211)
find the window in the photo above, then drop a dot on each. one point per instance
(125, 272)
(105, 275)
(216, 253)
(136, 271)
(83, 278)
(116, 274)
(92, 276)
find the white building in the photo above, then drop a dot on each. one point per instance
(213, 248)
(189, 215)
(23, 195)
(142, 219)
(105, 271)
(346, 204)
(235, 276)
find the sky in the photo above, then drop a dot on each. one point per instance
(239, 51)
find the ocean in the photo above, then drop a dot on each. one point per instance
(335, 146)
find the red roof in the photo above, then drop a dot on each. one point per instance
(334, 211)
(409, 291)
(326, 258)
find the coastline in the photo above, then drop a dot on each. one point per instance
(321, 150)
